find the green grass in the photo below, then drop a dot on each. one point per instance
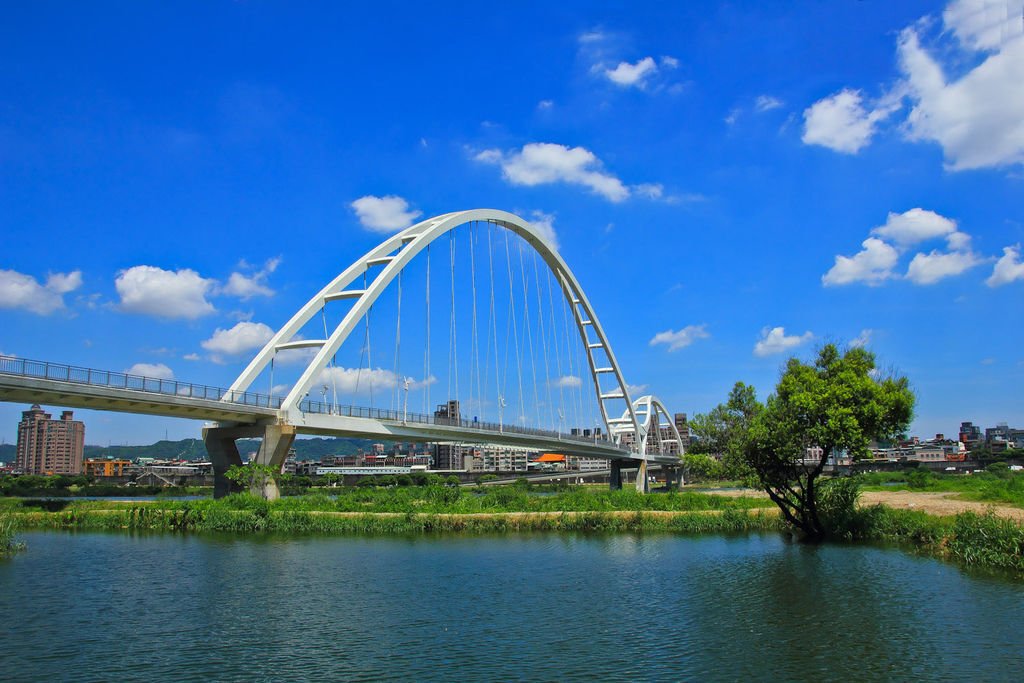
(1006, 488)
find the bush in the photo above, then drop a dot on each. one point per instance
(367, 481)
(8, 545)
(999, 468)
(702, 467)
(920, 479)
(837, 501)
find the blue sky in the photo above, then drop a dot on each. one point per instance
(731, 182)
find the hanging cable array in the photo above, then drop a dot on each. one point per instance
(557, 367)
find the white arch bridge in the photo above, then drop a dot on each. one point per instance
(533, 339)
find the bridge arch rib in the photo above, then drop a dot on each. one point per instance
(649, 411)
(393, 254)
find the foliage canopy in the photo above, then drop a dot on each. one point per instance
(836, 404)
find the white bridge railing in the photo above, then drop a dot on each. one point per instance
(35, 369)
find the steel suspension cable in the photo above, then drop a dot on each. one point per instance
(558, 354)
(474, 333)
(453, 344)
(574, 385)
(333, 363)
(544, 340)
(362, 350)
(492, 329)
(426, 352)
(397, 370)
(529, 335)
(515, 332)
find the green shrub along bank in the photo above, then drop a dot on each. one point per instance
(8, 543)
(256, 515)
(432, 499)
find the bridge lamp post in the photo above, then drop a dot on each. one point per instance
(405, 405)
(323, 394)
(501, 413)
(561, 421)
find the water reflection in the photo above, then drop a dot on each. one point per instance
(536, 607)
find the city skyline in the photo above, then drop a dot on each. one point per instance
(862, 189)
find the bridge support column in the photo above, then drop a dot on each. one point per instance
(277, 441)
(673, 477)
(642, 485)
(615, 478)
(220, 445)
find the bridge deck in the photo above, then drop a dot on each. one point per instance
(29, 381)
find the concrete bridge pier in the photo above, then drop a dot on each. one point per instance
(642, 484)
(673, 476)
(220, 444)
(277, 441)
(615, 478)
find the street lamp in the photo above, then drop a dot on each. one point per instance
(405, 406)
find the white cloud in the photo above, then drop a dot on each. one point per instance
(247, 286)
(669, 62)
(62, 283)
(1008, 268)
(545, 104)
(164, 293)
(840, 122)
(862, 339)
(765, 103)
(680, 339)
(18, 290)
(153, 370)
(567, 382)
(733, 116)
(927, 269)
(346, 380)
(539, 163)
(774, 341)
(635, 390)
(984, 24)
(632, 75)
(872, 265)
(595, 36)
(384, 214)
(650, 190)
(915, 225)
(240, 339)
(191, 357)
(979, 119)
(544, 223)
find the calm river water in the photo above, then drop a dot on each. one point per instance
(109, 607)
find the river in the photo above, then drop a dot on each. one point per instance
(539, 607)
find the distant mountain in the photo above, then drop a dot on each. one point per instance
(193, 449)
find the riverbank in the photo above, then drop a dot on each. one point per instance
(970, 537)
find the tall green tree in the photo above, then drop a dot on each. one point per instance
(836, 404)
(722, 432)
